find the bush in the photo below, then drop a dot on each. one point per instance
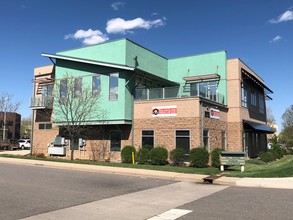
(149, 147)
(215, 156)
(158, 156)
(199, 157)
(143, 156)
(267, 157)
(177, 156)
(126, 154)
(278, 151)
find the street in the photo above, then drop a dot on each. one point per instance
(36, 192)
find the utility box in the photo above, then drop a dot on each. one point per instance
(232, 159)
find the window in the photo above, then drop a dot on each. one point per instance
(261, 104)
(183, 140)
(115, 144)
(96, 84)
(244, 96)
(113, 86)
(147, 138)
(77, 87)
(253, 98)
(46, 126)
(224, 143)
(63, 89)
(206, 143)
(47, 90)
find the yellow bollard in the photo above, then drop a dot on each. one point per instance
(132, 157)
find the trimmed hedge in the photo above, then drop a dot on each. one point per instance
(177, 156)
(215, 156)
(199, 157)
(126, 154)
(143, 156)
(267, 157)
(149, 147)
(158, 156)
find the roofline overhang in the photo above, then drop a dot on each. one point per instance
(68, 58)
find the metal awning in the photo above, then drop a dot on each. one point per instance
(201, 77)
(260, 128)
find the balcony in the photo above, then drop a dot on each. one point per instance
(41, 102)
(177, 92)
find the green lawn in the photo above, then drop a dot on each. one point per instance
(253, 168)
(278, 168)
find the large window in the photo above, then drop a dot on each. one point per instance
(77, 87)
(206, 142)
(261, 104)
(63, 89)
(244, 96)
(113, 86)
(147, 138)
(183, 140)
(115, 144)
(96, 86)
(253, 98)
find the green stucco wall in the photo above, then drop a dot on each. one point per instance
(203, 64)
(115, 109)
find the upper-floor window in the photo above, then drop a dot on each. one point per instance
(77, 87)
(261, 104)
(113, 86)
(63, 89)
(253, 98)
(96, 84)
(244, 96)
(47, 90)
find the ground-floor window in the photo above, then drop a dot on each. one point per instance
(206, 141)
(115, 144)
(45, 126)
(183, 140)
(147, 138)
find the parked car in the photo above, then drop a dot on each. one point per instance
(24, 143)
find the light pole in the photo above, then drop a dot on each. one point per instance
(4, 121)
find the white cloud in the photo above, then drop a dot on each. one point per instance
(88, 37)
(119, 25)
(286, 16)
(117, 5)
(276, 39)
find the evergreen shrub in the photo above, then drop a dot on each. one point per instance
(158, 156)
(199, 157)
(143, 156)
(126, 154)
(215, 156)
(177, 156)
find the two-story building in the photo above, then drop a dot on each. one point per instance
(204, 100)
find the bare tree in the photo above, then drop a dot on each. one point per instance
(7, 104)
(75, 107)
(270, 117)
(288, 117)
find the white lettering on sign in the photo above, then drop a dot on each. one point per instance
(215, 113)
(161, 111)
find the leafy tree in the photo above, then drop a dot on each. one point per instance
(25, 128)
(288, 117)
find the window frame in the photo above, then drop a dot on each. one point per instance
(180, 136)
(207, 137)
(96, 89)
(253, 97)
(148, 136)
(117, 140)
(47, 126)
(77, 87)
(244, 96)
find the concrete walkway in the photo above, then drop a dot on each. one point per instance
(281, 183)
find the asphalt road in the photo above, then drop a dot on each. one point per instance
(36, 193)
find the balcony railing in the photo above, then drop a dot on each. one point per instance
(41, 102)
(177, 92)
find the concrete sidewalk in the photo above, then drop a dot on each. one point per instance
(281, 183)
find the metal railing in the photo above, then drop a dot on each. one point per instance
(41, 102)
(176, 92)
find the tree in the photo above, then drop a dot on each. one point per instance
(75, 107)
(288, 117)
(270, 117)
(25, 128)
(7, 104)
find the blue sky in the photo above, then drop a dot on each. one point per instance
(258, 32)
